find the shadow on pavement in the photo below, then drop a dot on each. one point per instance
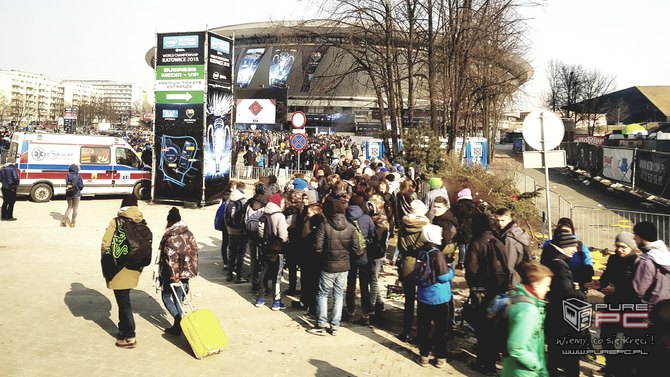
(57, 216)
(326, 369)
(90, 305)
(149, 308)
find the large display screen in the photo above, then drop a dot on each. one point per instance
(262, 111)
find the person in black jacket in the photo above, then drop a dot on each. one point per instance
(358, 218)
(556, 255)
(464, 209)
(335, 240)
(72, 196)
(9, 176)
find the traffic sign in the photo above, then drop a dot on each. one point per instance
(545, 125)
(298, 120)
(298, 142)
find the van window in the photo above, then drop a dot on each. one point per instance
(95, 155)
(125, 156)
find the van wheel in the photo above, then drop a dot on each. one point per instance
(41, 193)
(142, 191)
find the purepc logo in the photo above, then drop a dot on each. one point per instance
(577, 313)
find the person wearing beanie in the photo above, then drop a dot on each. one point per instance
(271, 251)
(463, 210)
(409, 241)
(433, 300)
(616, 283)
(556, 255)
(652, 274)
(118, 277)
(436, 190)
(177, 263)
(299, 184)
(336, 243)
(581, 264)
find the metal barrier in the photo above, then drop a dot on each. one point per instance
(3, 156)
(251, 174)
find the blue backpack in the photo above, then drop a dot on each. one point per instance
(218, 218)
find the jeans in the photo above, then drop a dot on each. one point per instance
(437, 314)
(126, 320)
(363, 273)
(462, 248)
(72, 206)
(238, 247)
(8, 199)
(172, 303)
(270, 262)
(225, 238)
(375, 266)
(252, 249)
(336, 282)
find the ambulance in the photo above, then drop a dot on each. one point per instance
(107, 164)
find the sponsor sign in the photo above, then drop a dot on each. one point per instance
(593, 140)
(180, 97)
(180, 49)
(280, 66)
(618, 164)
(219, 65)
(653, 172)
(248, 65)
(256, 111)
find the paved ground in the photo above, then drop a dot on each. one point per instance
(59, 318)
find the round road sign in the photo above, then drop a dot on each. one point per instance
(536, 122)
(298, 120)
(298, 142)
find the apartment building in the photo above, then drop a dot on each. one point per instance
(30, 98)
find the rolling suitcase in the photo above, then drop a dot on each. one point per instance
(202, 330)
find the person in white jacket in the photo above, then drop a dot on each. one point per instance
(271, 251)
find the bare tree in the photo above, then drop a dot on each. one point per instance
(5, 109)
(617, 110)
(594, 87)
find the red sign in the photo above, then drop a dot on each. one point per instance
(298, 120)
(593, 140)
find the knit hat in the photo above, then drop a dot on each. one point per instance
(564, 240)
(627, 238)
(276, 199)
(299, 184)
(338, 207)
(432, 233)
(418, 208)
(434, 183)
(464, 194)
(173, 215)
(129, 201)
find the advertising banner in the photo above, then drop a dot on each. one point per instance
(310, 62)
(218, 143)
(261, 111)
(180, 49)
(219, 62)
(247, 66)
(593, 140)
(653, 172)
(280, 66)
(618, 164)
(476, 152)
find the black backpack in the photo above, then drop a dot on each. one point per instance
(70, 190)
(140, 239)
(498, 268)
(267, 240)
(235, 214)
(424, 274)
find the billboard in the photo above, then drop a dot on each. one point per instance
(219, 62)
(280, 66)
(617, 164)
(653, 172)
(247, 66)
(310, 62)
(261, 111)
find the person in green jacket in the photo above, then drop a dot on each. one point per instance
(525, 355)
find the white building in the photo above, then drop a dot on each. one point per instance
(76, 94)
(30, 98)
(121, 96)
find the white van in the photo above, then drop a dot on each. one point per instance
(108, 165)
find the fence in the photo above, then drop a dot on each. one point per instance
(596, 227)
(3, 156)
(251, 174)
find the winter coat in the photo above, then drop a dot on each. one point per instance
(250, 158)
(279, 224)
(652, 273)
(432, 195)
(403, 207)
(517, 244)
(235, 195)
(439, 292)
(525, 343)
(178, 254)
(336, 240)
(463, 210)
(409, 241)
(581, 262)
(449, 225)
(9, 177)
(355, 213)
(619, 272)
(126, 278)
(74, 177)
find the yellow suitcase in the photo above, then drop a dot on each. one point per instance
(203, 331)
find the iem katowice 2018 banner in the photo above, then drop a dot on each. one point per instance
(192, 135)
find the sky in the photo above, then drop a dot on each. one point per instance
(88, 39)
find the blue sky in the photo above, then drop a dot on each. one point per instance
(77, 39)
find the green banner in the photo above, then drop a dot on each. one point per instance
(180, 72)
(181, 97)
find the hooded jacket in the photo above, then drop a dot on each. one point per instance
(432, 195)
(463, 210)
(126, 278)
(525, 343)
(355, 213)
(9, 177)
(449, 224)
(620, 272)
(74, 177)
(236, 195)
(279, 224)
(178, 253)
(652, 273)
(439, 292)
(336, 240)
(517, 244)
(409, 241)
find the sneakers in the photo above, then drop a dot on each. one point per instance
(440, 363)
(260, 301)
(126, 343)
(317, 331)
(298, 305)
(278, 305)
(240, 280)
(333, 331)
(230, 277)
(423, 361)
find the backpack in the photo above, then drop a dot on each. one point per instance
(362, 243)
(498, 311)
(267, 240)
(252, 219)
(138, 241)
(235, 214)
(218, 218)
(498, 268)
(424, 274)
(70, 190)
